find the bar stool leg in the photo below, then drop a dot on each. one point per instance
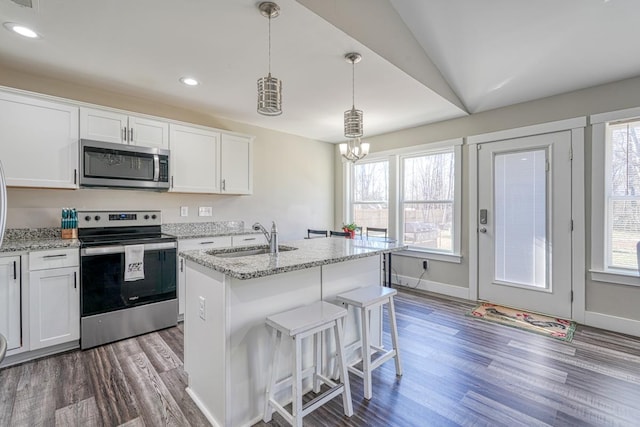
(276, 337)
(366, 353)
(296, 398)
(344, 373)
(317, 362)
(394, 336)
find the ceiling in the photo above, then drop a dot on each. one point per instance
(423, 60)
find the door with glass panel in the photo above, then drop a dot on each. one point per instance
(524, 223)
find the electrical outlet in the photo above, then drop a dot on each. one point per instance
(205, 211)
(184, 210)
(425, 264)
(202, 312)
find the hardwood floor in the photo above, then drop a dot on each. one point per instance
(457, 371)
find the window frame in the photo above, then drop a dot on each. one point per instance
(352, 188)
(395, 195)
(600, 159)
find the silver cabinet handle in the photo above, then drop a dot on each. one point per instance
(181, 265)
(207, 243)
(249, 239)
(130, 134)
(15, 271)
(224, 185)
(55, 256)
(124, 134)
(75, 280)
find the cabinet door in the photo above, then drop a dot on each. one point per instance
(194, 159)
(10, 301)
(102, 125)
(148, 132)
(236, 164)
(39, 142)
(54, 306)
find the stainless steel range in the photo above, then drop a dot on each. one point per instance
(128, 275)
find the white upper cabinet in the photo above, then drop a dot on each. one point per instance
(195, 159)
(39, 142)
(121, 128)
(236, 164)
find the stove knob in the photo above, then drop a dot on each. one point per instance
(146, 217)
(87, 218)
(153, 216)
(97, 218)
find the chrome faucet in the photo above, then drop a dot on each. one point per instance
(271, 238)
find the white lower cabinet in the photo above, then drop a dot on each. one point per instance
(194, 244)
(10, 318)
(54, 297)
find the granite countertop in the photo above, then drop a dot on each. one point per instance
(194, 230)
(35, 239)
(307, 253)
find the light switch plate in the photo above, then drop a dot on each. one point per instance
(205, 211)
(184, 210)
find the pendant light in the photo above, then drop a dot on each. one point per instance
(269, 88)
(354, 149)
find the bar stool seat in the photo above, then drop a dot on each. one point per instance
(299, 323)
(367, 299)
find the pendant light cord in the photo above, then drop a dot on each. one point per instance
(353, 84)
(269, 43)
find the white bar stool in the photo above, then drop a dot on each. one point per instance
(299, 323)
(366, 299)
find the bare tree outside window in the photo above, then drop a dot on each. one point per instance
(623, 194)
(428, 197)
(371, 194)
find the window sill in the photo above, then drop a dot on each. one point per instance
(620, 278)
(435, 256)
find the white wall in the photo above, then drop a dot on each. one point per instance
(293, 176)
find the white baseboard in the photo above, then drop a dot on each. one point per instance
(431, 286)
(202, 407)
(612, 323)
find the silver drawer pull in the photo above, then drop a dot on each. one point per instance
(248, 239)
(207, 243)
(55, 256)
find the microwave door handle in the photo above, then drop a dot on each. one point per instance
(156, 167)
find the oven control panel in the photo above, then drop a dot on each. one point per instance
(92, 219)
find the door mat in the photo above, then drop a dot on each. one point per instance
(554, 327)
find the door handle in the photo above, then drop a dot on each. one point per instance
(130, 134)
(483, 230)
(124, 133)
(181, 265)
(75, 280)
(15, 272)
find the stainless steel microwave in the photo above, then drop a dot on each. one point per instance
(106, 164)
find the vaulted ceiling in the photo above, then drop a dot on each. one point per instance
(423, 60)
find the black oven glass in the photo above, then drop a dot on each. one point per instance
(104, 288)
(108, 163)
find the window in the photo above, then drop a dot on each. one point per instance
(427, 200)
(622, 174)
(615, 197)
(415, 193)
(371, 194)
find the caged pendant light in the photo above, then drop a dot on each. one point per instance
(354, 149)
(269, 88)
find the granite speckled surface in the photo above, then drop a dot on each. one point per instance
(308, 253)
(194, 230)
(35, 239)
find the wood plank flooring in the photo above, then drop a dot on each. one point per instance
(458, 371)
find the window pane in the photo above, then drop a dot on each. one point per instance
(429, 178)
(371, 182)
(624, 152)
(371, 215)
(625, 233)
(520, 221)
(429, 225)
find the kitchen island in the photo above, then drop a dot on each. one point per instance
(227, 347)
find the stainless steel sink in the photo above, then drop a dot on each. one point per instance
(242, 252)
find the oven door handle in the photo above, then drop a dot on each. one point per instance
(118, 249)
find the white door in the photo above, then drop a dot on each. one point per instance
(10, 301)
(102, 125)
(195, 159)
(524, 223)
(148, 132)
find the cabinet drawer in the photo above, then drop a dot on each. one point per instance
(249, 239)
(57, 258)
(204, 243)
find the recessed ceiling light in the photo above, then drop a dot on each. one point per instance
(189, 81)
(22, 30)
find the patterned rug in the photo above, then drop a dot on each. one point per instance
(550, 326)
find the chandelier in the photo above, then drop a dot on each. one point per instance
(269, 88)
(354, 149)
